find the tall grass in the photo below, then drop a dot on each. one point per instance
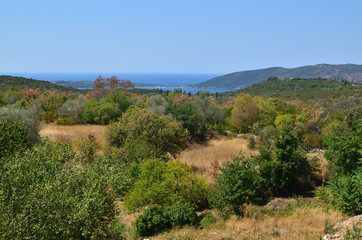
(303, 223)
(205, 158)
(72, 134)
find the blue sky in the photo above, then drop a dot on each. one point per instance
(177, 36)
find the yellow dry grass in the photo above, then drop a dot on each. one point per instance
(201, 157)
(72, 134)
(304, 223)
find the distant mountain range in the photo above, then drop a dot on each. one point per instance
(239, 80)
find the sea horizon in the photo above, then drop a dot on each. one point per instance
(161, 79)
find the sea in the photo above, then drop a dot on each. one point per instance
(164, 81)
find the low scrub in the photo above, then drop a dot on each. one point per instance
(157, 218)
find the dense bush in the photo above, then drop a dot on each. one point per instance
(100, 112)
(236, 185)
(118, 97)
(157, 218)
(191, 119)
(344, 192)
(44, 194)
(347, 192)
(166, 183)
(344, 149)
(73, 109)
(207, 220)
(18, 129)
(157, 104)
(285, 170)
(143, 134)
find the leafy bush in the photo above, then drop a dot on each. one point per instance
(18, 129)
(123, 177)
(142, 129)
(100, 112)
(157, 104)
(65, 121)
(189, 117)
(118, 97)
(344, 149)
(237, 184)
(157, 218)
(166, 183)
(347, 192)
(72, 109)
(207, 220)
(44, 194)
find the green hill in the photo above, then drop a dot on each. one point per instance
(239, 80)
(301, 88)
(8, 81)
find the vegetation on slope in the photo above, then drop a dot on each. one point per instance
(349, 72)
(6, 82)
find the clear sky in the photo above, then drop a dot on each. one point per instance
(170, 36)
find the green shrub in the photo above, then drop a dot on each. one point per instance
(141, 131)
(347, 192)
(157, 218)
(44, 194)
(207, 220)
(100, 112)
(18, 129)
(118, 97)
(285, 169)
(166, 183)
(236, 185)
(123, 177)
(73, 109)
(344, 149)
(65, 121)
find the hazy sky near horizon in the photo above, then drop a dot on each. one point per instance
(188, 36)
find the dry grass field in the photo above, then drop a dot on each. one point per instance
(72, 134)
(203, 157)
(303, 223)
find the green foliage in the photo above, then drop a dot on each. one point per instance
(303, 89)
(166, 183)
(191, 119)
(6, 82)
(12, 96)
(344, 149)
(123, 177)
(157, 104)
(72, 109)
(236, 185)
(283, 169)
(207, 220)
(354, 117)
(18, 129)
(2, 100)
(44, 194)
(13, 137)
(100, 112)
(248, 110)
(347, 192)
(143, 134)
(118, 97)
(88, 148)
(157, 218)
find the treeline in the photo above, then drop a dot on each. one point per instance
(11, 82)
(49, 191)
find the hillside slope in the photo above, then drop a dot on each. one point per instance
(7, 81)
(239, 80)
